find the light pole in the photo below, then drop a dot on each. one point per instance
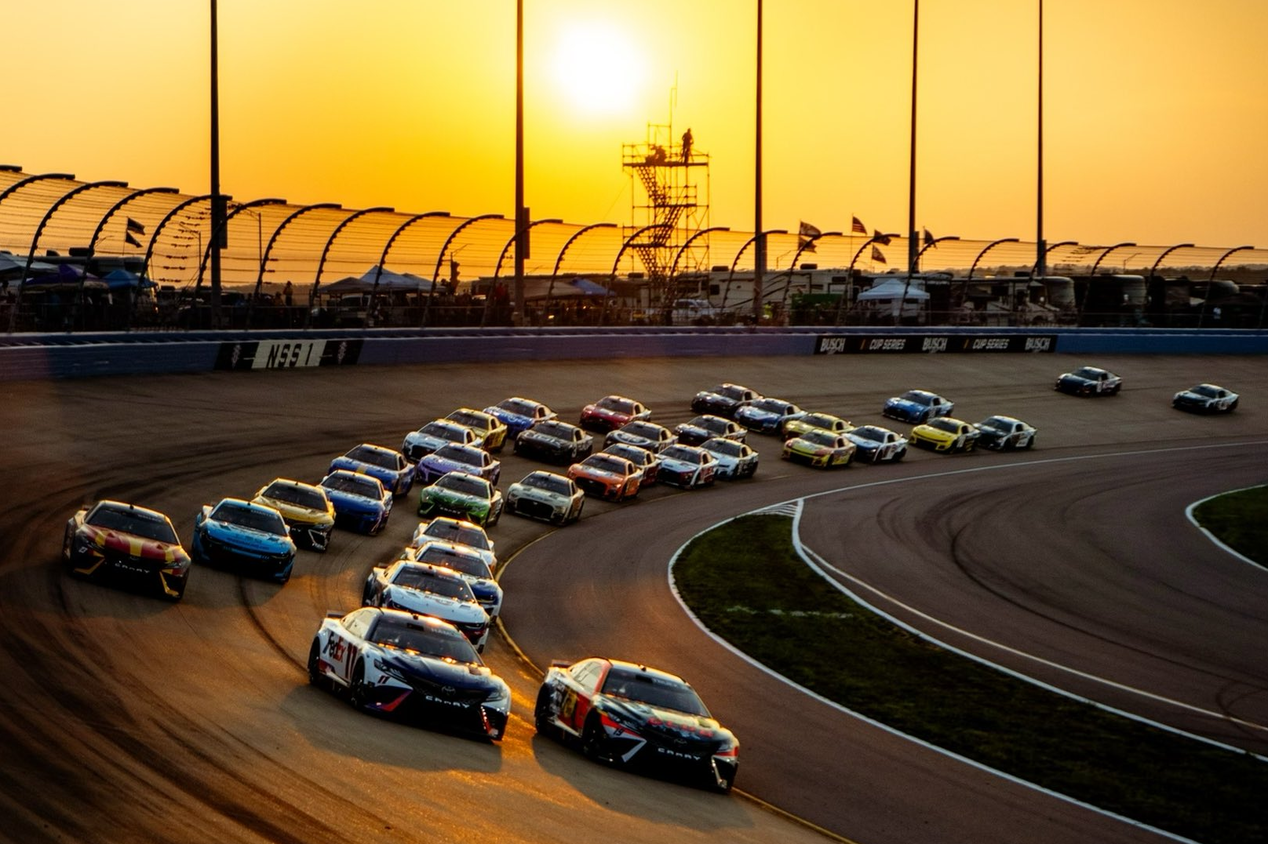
(497, 270)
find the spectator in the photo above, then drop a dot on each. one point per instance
(288, 293)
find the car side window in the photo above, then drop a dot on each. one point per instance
(358, 623)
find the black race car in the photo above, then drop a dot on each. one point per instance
(555, 442)
(631, 715)
(1089, 381)
(723, 399)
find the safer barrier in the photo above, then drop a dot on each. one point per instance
(41, 356)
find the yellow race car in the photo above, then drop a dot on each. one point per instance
(816, 421)
(945, 434)
(489, 430)
(821, 448)
(308, 513)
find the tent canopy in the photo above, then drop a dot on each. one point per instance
(388, 281)
(893, 289)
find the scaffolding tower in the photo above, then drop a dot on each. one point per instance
(666, 208)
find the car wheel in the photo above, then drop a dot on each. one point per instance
(497, 517)
(315, 677)
(592, 740)
(68, 540)
(357, 688)
(899, 455)
(541, 712)
(1232, 406)
(1114, 390)
(1029, 443)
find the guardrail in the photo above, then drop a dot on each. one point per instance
(43, 356)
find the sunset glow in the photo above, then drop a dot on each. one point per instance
(597, 68)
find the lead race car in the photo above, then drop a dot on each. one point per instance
(917, 406)
(395, 662)
(1205, 398)
(630, 715)
(123, 542)
(946, 434)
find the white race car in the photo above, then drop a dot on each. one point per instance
(687, 466)
(459, 531)
(467, 562)
(428, 590)
(546, 495)
(735, 459)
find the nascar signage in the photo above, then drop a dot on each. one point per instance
(837, 344)
(287, 354)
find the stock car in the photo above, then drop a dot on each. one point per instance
(814, 420)
(767, 415)
(360, 501)
(308, 512)
(878, 445)
(647, 462)
(643, 434)
(1004, 433)
(946, 434)
(687, 466)
(735, 459)
(606, 476)
(817, 447)
(519, 414)
(1205, 398)
(114, 541)
(463, 496)
(707, 426)
(391, 661)
(433, 435)
(458, 458)
(469, 563)
(248, 537)
(554, 441)
(723, 399)
(390, 467)
(917, 406)
(428, 590)
(611, 412)
(624, 714)
(489, 430)
(1089, 381)
(459, 532)
(547, 496)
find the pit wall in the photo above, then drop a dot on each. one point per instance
(44, 356)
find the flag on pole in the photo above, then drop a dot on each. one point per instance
(132, 241)
(807, 231)
(857, 226)
(928, 238)
(134, 226)
(878, 256)
(880, 238)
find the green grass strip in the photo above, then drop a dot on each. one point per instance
(746, 583)
(1239, 520)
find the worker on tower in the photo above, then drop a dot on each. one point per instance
(686, 145)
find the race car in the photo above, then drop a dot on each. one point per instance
(735, 459)
(546, 496)
(250, 538)
(706, 427)
(1205, 398)
(466, 561)
(306, 509)
(464, 496)
(458, 458)
(878, 445)
(643, 434)
(631, 715)
(390, 467)
(723, 399)
(816, 421)
(647, 462)
(1089, 381)
(116, 542)
(1004, 433)
(946, 434)
(433, 435)
(360, 501)
(489, 430)
(767, 415)
(687, 466)
(520, 414)
(917, 406)
(818, 447)
(611, 412)
(428, 590)
(457, 531)
(606, 476)
(554, 441)
(391, 661)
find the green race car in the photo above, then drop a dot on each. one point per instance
(463, 496)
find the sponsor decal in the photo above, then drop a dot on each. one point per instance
(836, 344)
(287, 354)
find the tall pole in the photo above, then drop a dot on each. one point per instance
(759, 250)
(1041, 254)
(521, 213)
(912, 241)
(217, 201)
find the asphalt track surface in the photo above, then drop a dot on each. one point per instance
(125, 718)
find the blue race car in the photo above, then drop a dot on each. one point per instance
(917, 407)
(361, 502)
(520, 414)
(251, 538)
(389, 466)
(767, 415)
(458, 458)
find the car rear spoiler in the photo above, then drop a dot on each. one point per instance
(559, 663)
(335, 613)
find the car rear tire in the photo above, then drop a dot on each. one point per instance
(315, 677)
(541, 713)
(592, 740)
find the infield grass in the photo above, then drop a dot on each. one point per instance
(746, 583)
(1239, 520)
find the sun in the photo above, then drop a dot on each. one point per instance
(596, 68)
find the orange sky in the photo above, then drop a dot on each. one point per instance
(1156, 110)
